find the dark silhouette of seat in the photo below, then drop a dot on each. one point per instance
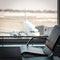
(50, 44)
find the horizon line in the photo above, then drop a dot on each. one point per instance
(31, 11)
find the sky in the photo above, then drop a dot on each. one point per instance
(29, 4)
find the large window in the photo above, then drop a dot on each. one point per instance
(27, 17)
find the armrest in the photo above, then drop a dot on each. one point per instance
(29, 41)
(35, 37)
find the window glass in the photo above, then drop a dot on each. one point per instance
(27, 17)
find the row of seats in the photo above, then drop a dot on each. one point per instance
(49, 49)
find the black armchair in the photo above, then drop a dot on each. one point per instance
(50, 44)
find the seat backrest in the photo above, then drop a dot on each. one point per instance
(10, 52)
(52, 41)
(53, 38)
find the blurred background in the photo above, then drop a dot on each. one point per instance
(14, 13)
